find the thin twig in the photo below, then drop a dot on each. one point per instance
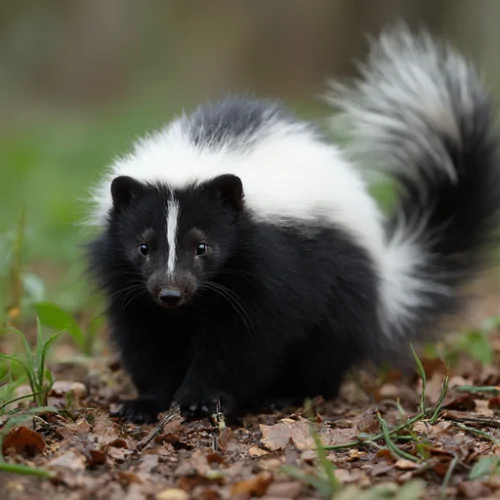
(218, 417)
(169, 417)
(489, 422)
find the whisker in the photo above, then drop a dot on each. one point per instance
(140, 294)
(237, 272)
(232, 298)
(127, 288)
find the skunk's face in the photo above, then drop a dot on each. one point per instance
(177, 240)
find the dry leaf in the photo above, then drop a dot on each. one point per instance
(462, 403)
(63, 387)
(226, 439)
(404, 464)
(368, 422)
(355, 455)
(308, 456)
(301, 436)
(289, 489)
(254, 451)
(95, 458)
(255, 486)
(23, 441)
(71, 460)
(118, 454)
(275, 437)
(172, 494)
(471, 489)
(494, 403)
(118, 443)
(270, 464)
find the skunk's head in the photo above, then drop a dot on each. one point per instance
(176, 240)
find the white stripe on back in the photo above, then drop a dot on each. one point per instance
(172, 220)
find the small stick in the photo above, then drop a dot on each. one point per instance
(169, 417)
(218, 419)
(489, 422)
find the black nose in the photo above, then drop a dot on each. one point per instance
(170, 297)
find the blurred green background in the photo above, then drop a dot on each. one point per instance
(80, 79)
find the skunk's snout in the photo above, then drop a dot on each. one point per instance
(169, 297)
(171, 291)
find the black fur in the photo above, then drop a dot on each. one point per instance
(267, 320)
(234, 120)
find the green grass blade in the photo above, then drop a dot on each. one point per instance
(474, 389)
(30, 359)
(421, 372)
(45, 348)
(439, 404)
(487, 466)
(326, 465)
(25, 470)
(321, 485)
(20, 398)
(24, 365)
(39, 363)
(478, 432)
(447, 477)
(390, 443)
(53, 316)
(92, 331)
(7, 390)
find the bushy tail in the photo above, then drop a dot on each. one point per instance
(420, 114)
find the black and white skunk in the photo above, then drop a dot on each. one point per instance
(244, 260)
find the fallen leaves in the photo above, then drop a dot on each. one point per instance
(94, 456)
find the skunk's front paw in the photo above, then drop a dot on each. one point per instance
(197, 404)
(140, 410)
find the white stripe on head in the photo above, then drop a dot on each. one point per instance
(172, 222)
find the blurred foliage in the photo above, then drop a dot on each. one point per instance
(50, 169)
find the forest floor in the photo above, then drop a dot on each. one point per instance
(447, 448)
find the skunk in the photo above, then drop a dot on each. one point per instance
(244, 260)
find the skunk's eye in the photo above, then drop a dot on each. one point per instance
(144, 249)
(201, 249)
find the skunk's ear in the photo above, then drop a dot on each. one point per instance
(229, 189)
(123, 189)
